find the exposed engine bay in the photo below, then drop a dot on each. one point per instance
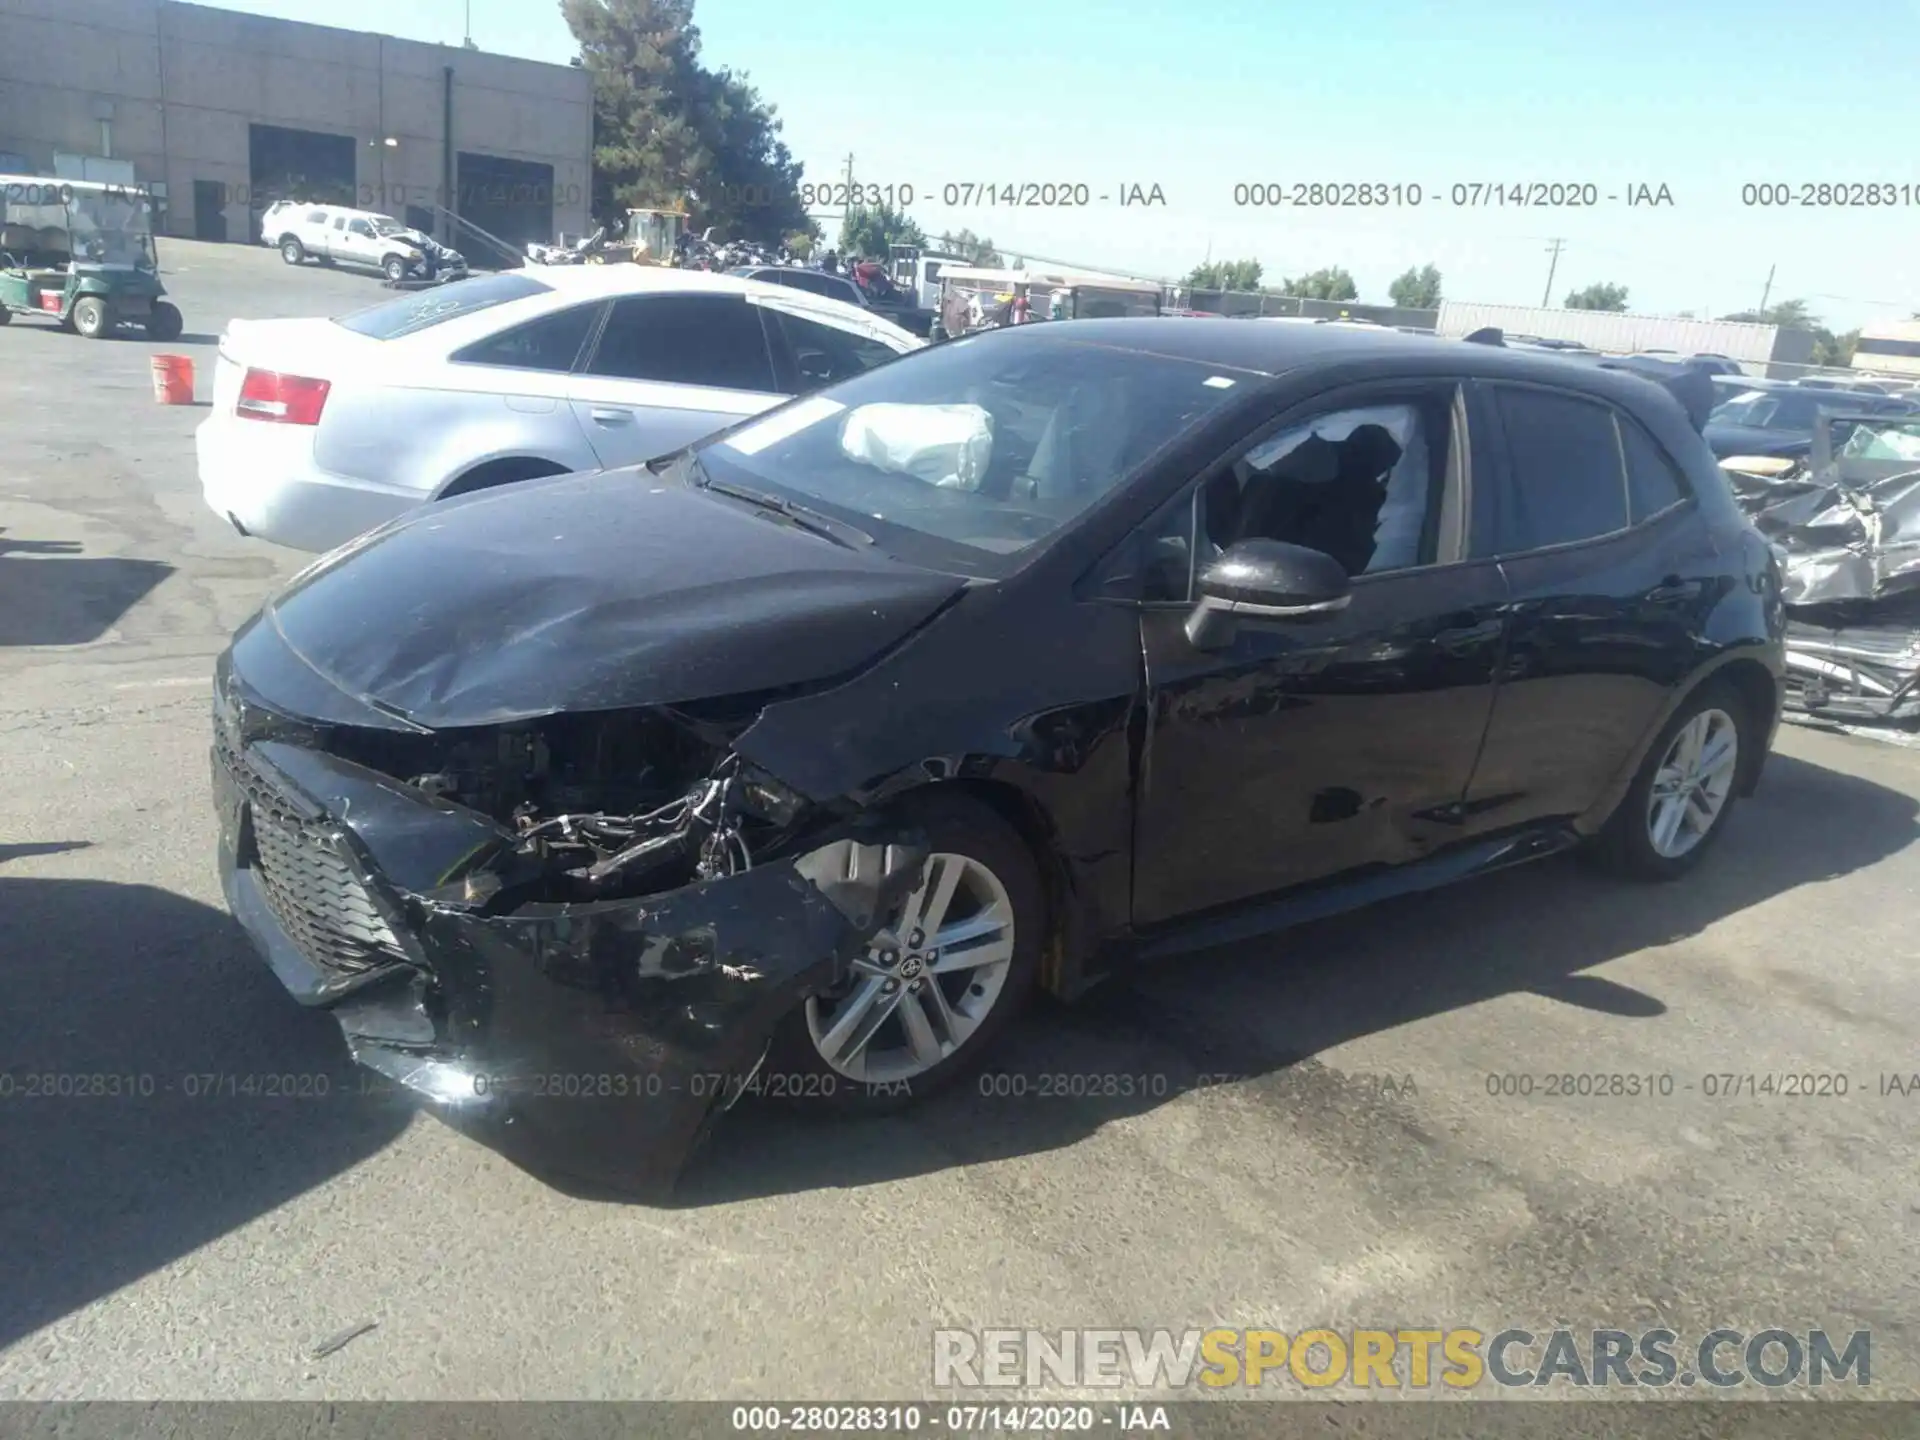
(604, 805)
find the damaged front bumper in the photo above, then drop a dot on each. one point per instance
(595, 1040)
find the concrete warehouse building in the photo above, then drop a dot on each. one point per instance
(225, 113)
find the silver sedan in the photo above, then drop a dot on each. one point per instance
(325, 428)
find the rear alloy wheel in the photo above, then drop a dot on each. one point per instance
(1679, 801)
(937, 985)
(91, 317)
(292, 251)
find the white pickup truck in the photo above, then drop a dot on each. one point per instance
(335, 235)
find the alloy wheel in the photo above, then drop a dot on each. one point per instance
(1692, 785)
(927, 981)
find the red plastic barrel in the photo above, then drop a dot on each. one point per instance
(173, 379)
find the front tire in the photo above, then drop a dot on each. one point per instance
(395, 268)
(938, 985)
(164, 324)
(92, 320)
(1679, 801)
(292, 251)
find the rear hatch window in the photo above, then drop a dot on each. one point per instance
(391, 319)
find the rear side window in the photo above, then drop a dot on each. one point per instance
(1652, 484)
(391, 319)
(715, 341)
(1567, 481)
(824, 354)
(553, 342)
(827, 285)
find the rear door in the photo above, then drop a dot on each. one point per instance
(1611, 576)
(332, 240)
(666, 370)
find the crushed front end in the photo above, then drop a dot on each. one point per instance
(575, 938)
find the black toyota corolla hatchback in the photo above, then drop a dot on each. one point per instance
(793, 763)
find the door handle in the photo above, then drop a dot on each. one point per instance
(610, 417)
(1464, 637)
(1670, 589)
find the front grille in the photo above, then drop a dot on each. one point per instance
(318, 900)
(308, 884)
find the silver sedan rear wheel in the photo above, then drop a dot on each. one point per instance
(1691, 787)
(927, 982)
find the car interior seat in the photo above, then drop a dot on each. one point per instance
(1322, 494)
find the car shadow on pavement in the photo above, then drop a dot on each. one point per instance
(1261, 1012)
(131, 1137)
(53, 594)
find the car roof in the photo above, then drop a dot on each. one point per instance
(1272, 349)
(624, 279)
(592, 281)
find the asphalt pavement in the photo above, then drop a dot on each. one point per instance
(1328, 1128)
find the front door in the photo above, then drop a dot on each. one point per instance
(1309, 747)
(670, 369)
(360, 245)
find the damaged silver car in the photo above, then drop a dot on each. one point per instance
(1845, 521)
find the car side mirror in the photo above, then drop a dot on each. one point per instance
(815, 366)
(1264, 580)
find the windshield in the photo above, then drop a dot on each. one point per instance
(391, 319)
(983, 446)
(1769, 410)
(1884, 440)
(386, 225)
(111, 228)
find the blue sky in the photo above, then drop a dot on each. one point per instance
(1701, 96)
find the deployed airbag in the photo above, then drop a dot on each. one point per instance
(944, 445)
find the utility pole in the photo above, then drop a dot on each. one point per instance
(1553, 265)
(1768, 291)
(846, 209)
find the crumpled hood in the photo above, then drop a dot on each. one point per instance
(587, 592)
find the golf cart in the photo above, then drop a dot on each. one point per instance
(81, 252)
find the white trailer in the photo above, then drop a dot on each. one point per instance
(1619, 333)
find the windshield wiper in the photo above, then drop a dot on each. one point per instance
(794, 513)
